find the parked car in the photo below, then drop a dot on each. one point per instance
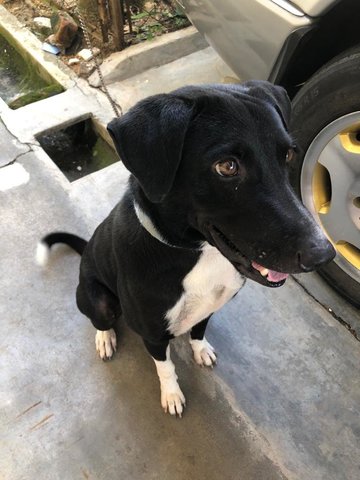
(312, 48)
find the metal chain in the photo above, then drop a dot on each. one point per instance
(117, 108)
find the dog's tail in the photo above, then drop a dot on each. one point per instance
(43, 249)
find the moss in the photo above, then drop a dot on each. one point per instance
(21, 81)
(35, 96)
(102, 155)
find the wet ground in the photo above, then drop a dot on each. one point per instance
(11, 81)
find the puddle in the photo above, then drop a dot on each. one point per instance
(78, 150)
(20, 83)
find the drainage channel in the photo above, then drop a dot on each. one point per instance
(20, 82)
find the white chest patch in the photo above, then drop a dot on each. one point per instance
(207, 287)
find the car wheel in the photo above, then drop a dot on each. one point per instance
(326, 170)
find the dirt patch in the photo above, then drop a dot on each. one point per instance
(142, 20)
(25, 10)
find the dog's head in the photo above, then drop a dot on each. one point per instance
(219, 154)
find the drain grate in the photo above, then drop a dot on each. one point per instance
(78, 150)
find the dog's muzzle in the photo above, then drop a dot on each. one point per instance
(246, 266)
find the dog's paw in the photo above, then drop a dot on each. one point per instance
(105, 342)
(172, 400)
(204, 353)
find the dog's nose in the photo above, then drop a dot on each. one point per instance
(313, 257)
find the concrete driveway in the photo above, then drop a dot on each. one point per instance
(283, 402)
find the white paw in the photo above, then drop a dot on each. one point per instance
(105, 342)
(204, 353)
(172, 400)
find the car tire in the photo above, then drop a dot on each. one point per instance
(327, 105)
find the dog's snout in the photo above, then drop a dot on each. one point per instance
(313, 257)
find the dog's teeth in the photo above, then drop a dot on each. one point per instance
(264, 271)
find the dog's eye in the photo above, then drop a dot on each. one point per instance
(290, 155)
(227, 168)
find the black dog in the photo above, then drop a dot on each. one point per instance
(208, 204)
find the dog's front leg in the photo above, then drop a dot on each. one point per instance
(204, 353)
(172, 398)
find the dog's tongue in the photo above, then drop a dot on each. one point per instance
(276, 276)
(271, 275)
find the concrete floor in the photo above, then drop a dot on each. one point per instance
(283, 401)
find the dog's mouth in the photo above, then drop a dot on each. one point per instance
(246, 266)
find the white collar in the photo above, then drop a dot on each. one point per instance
(146, 222)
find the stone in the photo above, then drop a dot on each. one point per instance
(87, 55)
(42, 25)
(86, 69)
(65, 29)
(73, 61)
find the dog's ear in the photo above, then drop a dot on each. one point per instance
(149, 139)
(273, 94)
